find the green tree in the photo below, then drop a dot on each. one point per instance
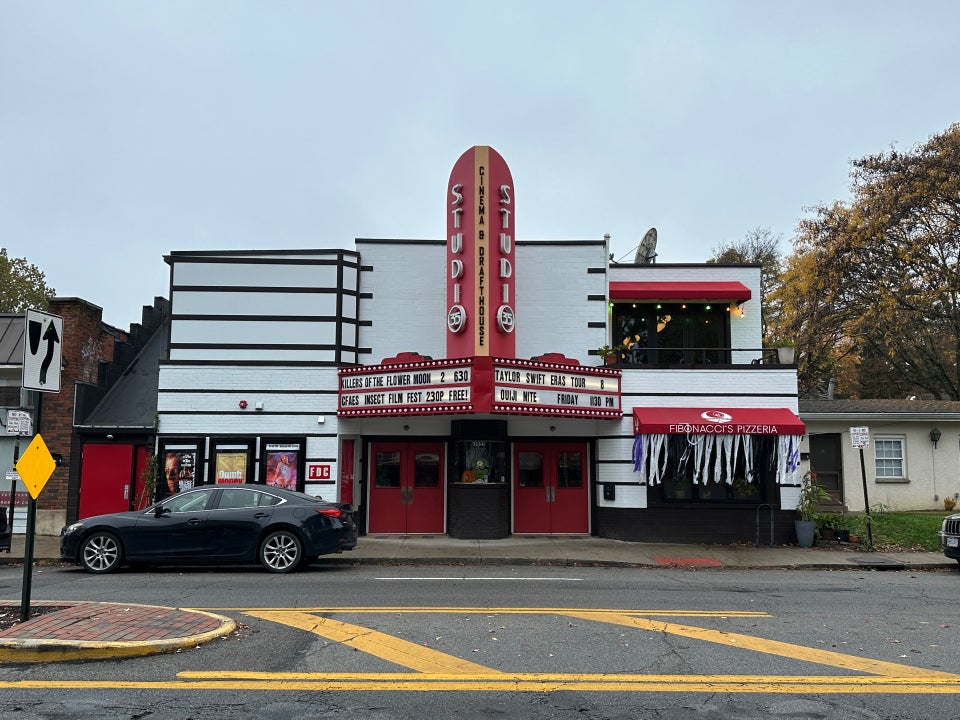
(872, 291)
(22, 285)
(759, 246)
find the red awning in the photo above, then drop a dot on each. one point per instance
(716, 421)
(679, 291)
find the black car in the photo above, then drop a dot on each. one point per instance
(214, 525)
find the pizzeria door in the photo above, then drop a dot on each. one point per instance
(550, 488)
(406, 488)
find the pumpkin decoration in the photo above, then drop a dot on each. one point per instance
(468, 476)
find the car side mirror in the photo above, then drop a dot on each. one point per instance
(161, 511)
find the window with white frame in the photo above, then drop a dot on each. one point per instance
(890, 458)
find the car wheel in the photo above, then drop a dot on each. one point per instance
(281, 551)
(101, 553)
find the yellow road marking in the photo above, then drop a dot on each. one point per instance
(539, 684)
(773, 647)
(387, 647)
(497, 611)
(435, 671)
(417, 657)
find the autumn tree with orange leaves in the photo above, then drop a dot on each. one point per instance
(871, 293)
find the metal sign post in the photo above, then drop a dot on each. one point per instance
(42, 361)
(35, 467)
(860, 438)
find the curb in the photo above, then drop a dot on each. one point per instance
(879, 563)
(56, 650)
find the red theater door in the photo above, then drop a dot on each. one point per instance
(550, 488)
(406, 488)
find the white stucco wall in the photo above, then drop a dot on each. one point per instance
(932, 473)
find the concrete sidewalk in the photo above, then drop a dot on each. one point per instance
(72, 631)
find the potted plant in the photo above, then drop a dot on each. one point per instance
(843, 529)
(828, 525)
(610, 353)
(786, 352)
(811, 495)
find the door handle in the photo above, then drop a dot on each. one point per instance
(194, 521)
(261, 515)
(553, 493)
(546, 489)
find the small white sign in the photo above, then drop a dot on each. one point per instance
(860, 437)
(19, 423)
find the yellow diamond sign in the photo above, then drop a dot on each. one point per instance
(35, 466)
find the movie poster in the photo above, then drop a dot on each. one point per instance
(179, 469)
(282, 464)
(231, 467)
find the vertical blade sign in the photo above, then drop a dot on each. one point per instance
(481, 209)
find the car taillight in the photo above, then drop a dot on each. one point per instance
(331, 512)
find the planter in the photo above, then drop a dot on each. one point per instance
(806, 530)
(611, 358)
(785, 355)
(843, 536)
(854, 539)
(828, 534)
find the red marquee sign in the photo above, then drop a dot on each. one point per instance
(480, 385)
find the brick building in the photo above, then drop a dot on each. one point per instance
(95, 357)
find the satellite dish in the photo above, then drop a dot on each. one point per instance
(647, 249)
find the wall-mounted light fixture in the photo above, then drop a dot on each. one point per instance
(935, 436)
(243, 404)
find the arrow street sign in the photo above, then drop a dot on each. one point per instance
(42, 350)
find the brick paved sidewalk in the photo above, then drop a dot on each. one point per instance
(111, 622)
(89, 630)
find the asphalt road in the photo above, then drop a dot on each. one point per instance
(517, 642)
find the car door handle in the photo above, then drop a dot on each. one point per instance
(261, 515)
(194, 521)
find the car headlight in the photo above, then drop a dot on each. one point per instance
(72, 528)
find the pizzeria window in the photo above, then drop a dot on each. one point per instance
(734, 455)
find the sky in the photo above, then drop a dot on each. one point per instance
(134, 128)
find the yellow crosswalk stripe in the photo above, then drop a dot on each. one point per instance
(387, 647)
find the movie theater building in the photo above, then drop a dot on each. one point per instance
(454, 386)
